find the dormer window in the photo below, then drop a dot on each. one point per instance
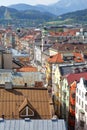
(77, 70)
(67, 58)
(26, 109)
(78, 58)
(26, 112)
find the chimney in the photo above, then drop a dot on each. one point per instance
(25, 85)
(8, 85)
(3, 116)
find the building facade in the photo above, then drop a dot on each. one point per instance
(81, 105)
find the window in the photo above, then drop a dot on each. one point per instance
(82, 104)
(64, 95)
(79, 92)
(67, 97)
(26, 112)
(86, 96)
(82, 95)
(77, 99)
(86, 108)
(76, 109)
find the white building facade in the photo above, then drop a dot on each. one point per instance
(81, 105)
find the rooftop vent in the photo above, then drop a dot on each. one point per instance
(1, 119)
(84, 69)
(54, 118)
(27, 119)
(8, 85)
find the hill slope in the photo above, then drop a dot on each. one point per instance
(76, 17)
(24, 17)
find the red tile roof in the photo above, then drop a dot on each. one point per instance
(69, 47)
(71, 32)
(78, 57)
(72, 77)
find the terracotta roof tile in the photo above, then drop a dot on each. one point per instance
(69, 47)
(78, 57)
(58, 58)
(11, 101)
(55, 59)
(27, 69)
(71, 32)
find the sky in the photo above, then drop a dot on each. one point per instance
(30, 2)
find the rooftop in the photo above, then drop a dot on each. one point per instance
(66, 58)
(69, 47)
(32, 124)
(20, 78)
(13, 103)
(27, 69)
(72, 77)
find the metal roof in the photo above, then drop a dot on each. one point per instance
(20, 78)
(28, 124)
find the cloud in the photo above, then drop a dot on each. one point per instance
(30, 2)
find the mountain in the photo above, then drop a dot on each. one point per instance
(74, 17)
(24, 14)
(24, 17)
(22, 7)
(58, 8)
(65, 6)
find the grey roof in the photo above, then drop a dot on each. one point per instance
(16, 53)
(67, 68)
(20, 78)
(32, 124)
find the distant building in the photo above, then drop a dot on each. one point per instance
(19, 79)
(59, 65)
(6, 60)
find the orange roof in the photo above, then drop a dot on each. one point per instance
(59, 59)
(27, 69)
(78, 57)
(55, 59)
(12, 102)
(29, 37)
(71, 32)
(73, 86)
